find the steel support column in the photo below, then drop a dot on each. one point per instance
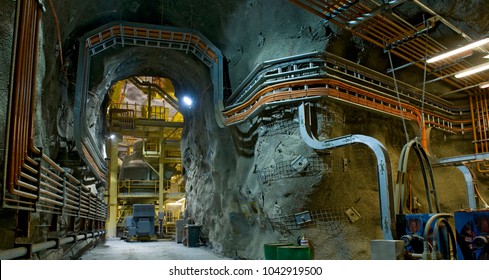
(161, 181)
(111, 226)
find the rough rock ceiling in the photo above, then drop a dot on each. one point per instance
(396, 25)
(413, 38)
(250, 32)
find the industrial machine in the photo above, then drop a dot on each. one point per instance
(426, 235)
(472, 234)
(141, 225)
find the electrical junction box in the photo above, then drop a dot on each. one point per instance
(303, 218)
(472, 234)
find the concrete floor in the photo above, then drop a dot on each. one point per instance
(117, 249)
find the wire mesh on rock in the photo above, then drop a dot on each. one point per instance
(332, 221)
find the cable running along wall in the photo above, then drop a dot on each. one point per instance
(33, 181)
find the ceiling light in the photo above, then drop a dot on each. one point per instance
(473, 70)
(484, 85)
(459, 50)
(187, 100)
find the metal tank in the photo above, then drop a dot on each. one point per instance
(134, 167)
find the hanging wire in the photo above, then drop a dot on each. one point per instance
(398, 97)
(58, 33)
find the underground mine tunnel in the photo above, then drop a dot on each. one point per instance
(299, 129)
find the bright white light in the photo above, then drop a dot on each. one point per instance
(112, 136)
(484, 85)
(473, 70)
(187, 100)
(459, 50)
(174, 204)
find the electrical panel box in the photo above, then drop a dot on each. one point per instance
(472, 234)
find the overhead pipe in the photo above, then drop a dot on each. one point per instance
(402, 52)
(165, 95)
(384, 178)
(446, 22)
(261, 76)
(366, 16)
(311, 89)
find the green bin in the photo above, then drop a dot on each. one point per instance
(293, 253)
(193, 235)
(271, 249)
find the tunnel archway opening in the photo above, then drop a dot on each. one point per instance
(145, 125)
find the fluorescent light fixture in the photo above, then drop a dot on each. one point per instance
(187, 100)
(484, 85)
(473, 70)
(459, 50)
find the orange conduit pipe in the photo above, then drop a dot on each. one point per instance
(23, 106)
(335, 89)
(24, 81)
(56, 21)
(481, 143)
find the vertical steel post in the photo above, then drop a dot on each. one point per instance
(113, 174)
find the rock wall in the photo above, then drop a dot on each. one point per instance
(241, 186)
(242, 190)
(7, 17)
